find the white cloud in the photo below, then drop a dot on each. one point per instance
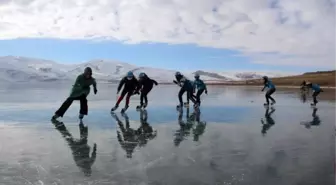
(303, 28)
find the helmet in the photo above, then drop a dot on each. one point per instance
(88, 70)
(265, 77)
(142, 75)
(130, 75)
(178, 73)
(197, 75)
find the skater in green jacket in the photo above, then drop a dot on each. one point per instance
(79, 91)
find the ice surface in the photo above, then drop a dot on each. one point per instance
(228, 145)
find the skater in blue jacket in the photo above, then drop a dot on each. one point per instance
(316, 88)
(201, 87)
(271, 89)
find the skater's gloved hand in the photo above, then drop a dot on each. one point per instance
(175, 81)
(95, 91)
(206, 91)
(117, 92)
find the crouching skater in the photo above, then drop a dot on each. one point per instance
(316, 88)
(130, 84)
(145, 85)
(271, 89)
(201, 87)
(186, 86)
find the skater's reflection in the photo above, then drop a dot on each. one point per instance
(128, 138)
(145, 130)
(268, 121)
(185, 127)
(79, 147)
(315, 122)
(200, 125)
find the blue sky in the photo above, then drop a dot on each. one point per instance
(170, 56)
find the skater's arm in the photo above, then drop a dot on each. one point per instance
(265, 85)
(155, 82)
(138, 85)
(205, 87)
(121, 83)
(94, 86)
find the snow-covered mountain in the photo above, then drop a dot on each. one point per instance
(21, 69)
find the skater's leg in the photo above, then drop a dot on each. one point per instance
(145, 97)
(128, 97)
(146, 92)
(268, 95)
(191, 97)
(64, 107)
(142, 96)
(83, 105)
(180, 94)
(121, 97)
(315, 94)
(198, 96)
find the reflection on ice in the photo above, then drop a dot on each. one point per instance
(191, 123)
(79, 147)
(315, 122)
(268, 122)
(219, 144)
(130, 138)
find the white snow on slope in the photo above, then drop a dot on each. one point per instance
(21, 69)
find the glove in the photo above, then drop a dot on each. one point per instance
(117, 92)
(206, 92)
(175, 81)
(95, 91)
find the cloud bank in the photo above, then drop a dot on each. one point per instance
(281, 32)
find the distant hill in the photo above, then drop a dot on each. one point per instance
(21, 69)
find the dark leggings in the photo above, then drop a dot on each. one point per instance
(143, 95)
(121, 97)
(198, 96)
(190, 95)
(67, 103)
(268, 95)
(315, 94)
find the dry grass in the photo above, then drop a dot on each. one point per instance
(321, 78)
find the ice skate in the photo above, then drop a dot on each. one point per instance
(114, 108)
(124, 109)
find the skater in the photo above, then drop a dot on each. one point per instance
(80, 91)
(130, 84)
(186, 86)
(201, 87)
(146, 85)
(271, 89)
(316, 88)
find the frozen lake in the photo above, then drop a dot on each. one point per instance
(228, 145)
